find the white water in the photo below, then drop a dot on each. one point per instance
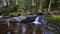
(23, 29)
(36, 21)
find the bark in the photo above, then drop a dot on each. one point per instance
(49, 7)
(37, 5)
(11, 2)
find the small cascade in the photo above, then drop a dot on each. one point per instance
(24, 29)
(36, 22)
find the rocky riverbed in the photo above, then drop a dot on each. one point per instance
(48, 28)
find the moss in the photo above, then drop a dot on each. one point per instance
(54, 19)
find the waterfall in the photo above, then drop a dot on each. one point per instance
(36, 22)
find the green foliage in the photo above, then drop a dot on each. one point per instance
(16, 13)
(54, 19)
(23, 6)
(6, 10)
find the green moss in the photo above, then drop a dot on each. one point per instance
(54, 19)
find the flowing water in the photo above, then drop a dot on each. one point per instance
(44, 22)
(36, 22)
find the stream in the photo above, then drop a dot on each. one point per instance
(39, 20)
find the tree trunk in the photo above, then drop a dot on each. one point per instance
(11, 2)
(37, 5)
(49, 7)
(29, 5)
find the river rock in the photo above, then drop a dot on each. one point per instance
(19, 18)
(1, 16)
